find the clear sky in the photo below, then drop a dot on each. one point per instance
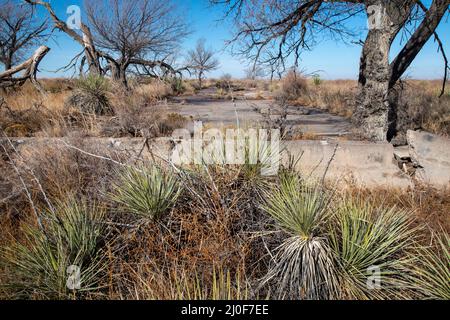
(333, 60)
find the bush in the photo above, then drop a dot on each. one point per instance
(317, 80)
(177, 85)
(432, 273)
(303, 265)
(293, 86)
(365, 237)
(330, 250)
(90, 96)
(71, 236)
(146, 192)
(155, 91)
(225, 83)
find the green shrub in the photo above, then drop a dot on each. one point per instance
(431, 275)
(364, 237)
(303, 264)
(39, 267)
(146, 192)
(177, 85)
(90, 96)
(317, 80)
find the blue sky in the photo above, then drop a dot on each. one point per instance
(333, 60)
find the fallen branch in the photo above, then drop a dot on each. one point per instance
(29, 68)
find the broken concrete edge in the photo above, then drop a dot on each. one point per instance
(346, 163)
(430, 156)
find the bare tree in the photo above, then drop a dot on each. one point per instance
(201, 60)
(269, 32)
(130, 31)
(20, 32)
(120, 34)
(254, 72)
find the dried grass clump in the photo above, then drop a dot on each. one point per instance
(292, 86)
(335, 96)
(204, 248)
(156, 90)
(420, 107)
(26, 113)
(140, 116)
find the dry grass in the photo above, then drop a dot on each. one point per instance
(140, 112)
(430, 206)
(156, 90)
(212, 244)
(26, 113)
(419, 102)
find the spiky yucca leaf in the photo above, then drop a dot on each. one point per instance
(298, 207)
(91, 96)
(303, 264)
(71, 236)
(147, 192)
(431, 276)
(367, 239)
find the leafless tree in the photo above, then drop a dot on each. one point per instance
(201, 60)
(120, 34)
(254, 72)
(130, 31)
(20, 32)
(272, 31)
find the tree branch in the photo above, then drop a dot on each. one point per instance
(420, 37)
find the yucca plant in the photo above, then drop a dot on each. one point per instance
(368, 239)
(41, 266)
(146, 192)
(303, 266)
(91, 96)
(431, 275)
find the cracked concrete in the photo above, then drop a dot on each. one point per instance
(223, 113)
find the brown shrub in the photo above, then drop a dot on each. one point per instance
(140, 115)
(38, 119)
(208, 231)
(293, 86)
(430, 206)
(421, 108)
(156, 90)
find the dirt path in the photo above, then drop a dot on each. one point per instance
(206, 107)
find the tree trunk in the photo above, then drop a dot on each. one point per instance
(200, 79)
(375, 111)
(8, 63)
(118, 73)
(91, 54)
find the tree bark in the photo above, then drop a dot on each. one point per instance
(200, 80)
(375, 113)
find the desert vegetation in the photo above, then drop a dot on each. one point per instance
(142, 231)
(83, 221)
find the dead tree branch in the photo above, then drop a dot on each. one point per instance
(30, 68)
